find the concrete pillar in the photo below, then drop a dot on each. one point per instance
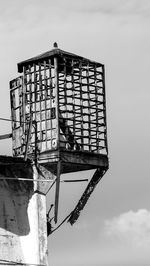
(23, 231)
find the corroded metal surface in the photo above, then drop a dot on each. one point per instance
(64, 96)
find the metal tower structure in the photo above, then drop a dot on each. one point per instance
(58, 109)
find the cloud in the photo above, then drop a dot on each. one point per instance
(131, 228)
(109, 7)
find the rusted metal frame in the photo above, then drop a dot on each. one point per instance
(93, 108)
(92, 66)
(38, 101)
(68, 134)
(40, 105)
(13, 84)
(97, 106)
(77, 137)
(78, 82)
(94, 138)
(45, 84)
(24, 99)
(78, 75)
(78, 129)
(72, 104)
(35, 113)
(61, 86)
(36, 142)
(93, 90)
(50, 82)
(41, 63)
(81, 104)
(20, 101)
(92, 84)
(13, 105)
(44, 180)
(100, 132)
(65, 98)
(105, 118)
(76, 105)
(85, 107)
(94, 145)
(92, 75)
(89, 108)
(28, 138)
(99, 173)
(96, 100)
(61, 82)
(15, 121)
(28, 179)
(103, 121)
(75, 113)
(99, 118)
(70, 89)
(86, 144)
(38, 83)
(81, 98)
(30, 94)
(57, 140)
(78, 120)
(78, 67)
(99, 94)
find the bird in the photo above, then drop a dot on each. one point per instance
(55, 45)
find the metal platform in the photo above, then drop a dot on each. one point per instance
(72, 161)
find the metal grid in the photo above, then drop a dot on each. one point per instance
(33, 98)
(82, 108)
(64, 99)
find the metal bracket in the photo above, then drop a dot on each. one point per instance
(87, 193)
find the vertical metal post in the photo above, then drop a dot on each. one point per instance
(24, 99)
(57, 139)
(57, 191)
(56, 101)
(104, 99)
(28, 138)
(36, 147)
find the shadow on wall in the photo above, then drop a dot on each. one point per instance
(14, 198)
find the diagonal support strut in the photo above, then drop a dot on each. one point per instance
(87, 193)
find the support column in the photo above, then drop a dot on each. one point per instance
(23, 228)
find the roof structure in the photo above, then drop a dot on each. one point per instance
(56, 52)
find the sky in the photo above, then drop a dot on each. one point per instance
(114, 227)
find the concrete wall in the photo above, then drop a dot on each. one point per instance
(23, 232)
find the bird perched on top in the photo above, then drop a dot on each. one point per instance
(55, 45)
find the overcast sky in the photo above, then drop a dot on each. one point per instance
(114, 228)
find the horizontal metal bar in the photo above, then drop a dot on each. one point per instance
(6, 136)
(26, 179)
(76, 180)
(41, 180)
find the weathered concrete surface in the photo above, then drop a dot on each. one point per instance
(23, 231)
